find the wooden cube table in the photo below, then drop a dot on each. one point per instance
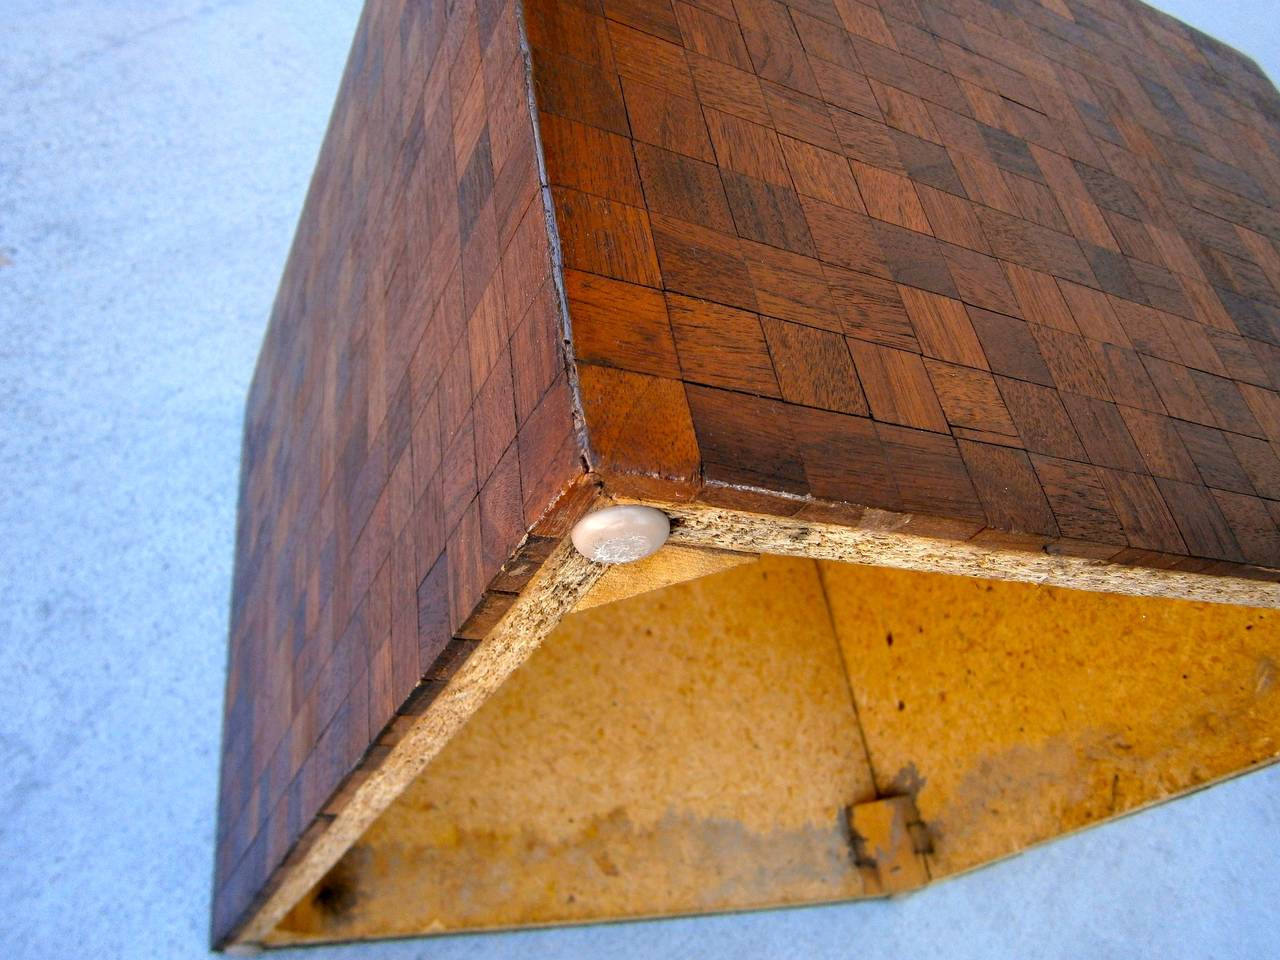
(946, 333)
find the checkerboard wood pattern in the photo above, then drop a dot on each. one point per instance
(1010, 270)
(408, 432)
(1005, 272)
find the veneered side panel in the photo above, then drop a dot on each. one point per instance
(410, 423)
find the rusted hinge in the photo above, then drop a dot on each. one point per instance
(890, 845)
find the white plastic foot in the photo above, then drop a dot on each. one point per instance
(621, 534)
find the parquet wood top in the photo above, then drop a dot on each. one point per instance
(987, 230)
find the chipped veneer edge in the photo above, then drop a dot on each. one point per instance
(698, 525)
(563, 579)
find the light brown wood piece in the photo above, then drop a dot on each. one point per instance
(670, 565)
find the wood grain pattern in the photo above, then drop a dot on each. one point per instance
(970, 398)
(721, 346)
(814, 367)
(1011, 494)
(401, 441)
(942, 328)
(621, 324)
(683, 187)
(1080, 502)
(890, 197)
(898, 387)
(619, 407)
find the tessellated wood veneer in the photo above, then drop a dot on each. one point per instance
(976, 287)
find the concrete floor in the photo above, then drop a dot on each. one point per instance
(153, 157)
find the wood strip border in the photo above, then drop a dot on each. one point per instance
(724, 529)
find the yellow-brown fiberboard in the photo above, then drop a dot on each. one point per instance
(1017, 713)
(691, 749)
(694, 748)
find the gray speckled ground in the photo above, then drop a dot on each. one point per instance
(153, 157)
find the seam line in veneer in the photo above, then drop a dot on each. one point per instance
(554, 247)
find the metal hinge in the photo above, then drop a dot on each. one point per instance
(891, 844)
